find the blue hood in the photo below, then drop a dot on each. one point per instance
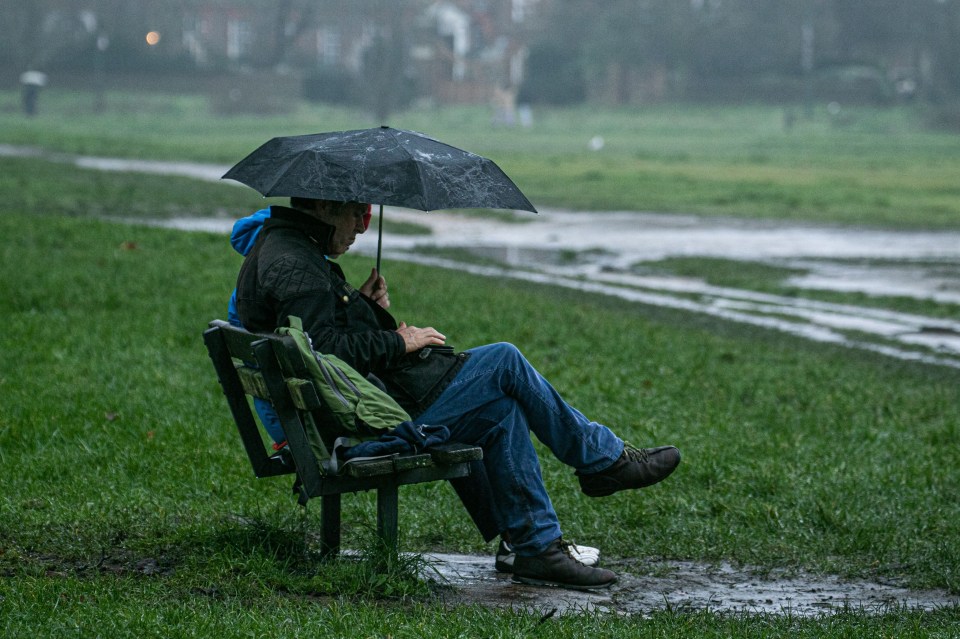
(246, 230)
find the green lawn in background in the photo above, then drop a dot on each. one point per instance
(870, 166)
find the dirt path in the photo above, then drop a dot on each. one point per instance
(681, 586)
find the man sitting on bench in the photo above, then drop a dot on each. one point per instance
(488, 396)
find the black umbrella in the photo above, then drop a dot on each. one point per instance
(378, 166)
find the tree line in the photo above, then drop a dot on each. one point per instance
(623, 51)
(612, 52)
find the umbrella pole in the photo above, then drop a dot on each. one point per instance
(379, 238)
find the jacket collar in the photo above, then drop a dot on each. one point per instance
(284, 217)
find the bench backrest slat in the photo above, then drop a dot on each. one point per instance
(252, 381)
(247, 364)
(219, 349)
(302, 391)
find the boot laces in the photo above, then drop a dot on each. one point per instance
(567, 548)
(635, 454)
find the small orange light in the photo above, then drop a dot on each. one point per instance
(152, 38)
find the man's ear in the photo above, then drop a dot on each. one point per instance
(325, 209)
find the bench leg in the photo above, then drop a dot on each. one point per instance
(330, 526)
(387, 517)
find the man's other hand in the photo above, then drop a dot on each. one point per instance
(416, 338)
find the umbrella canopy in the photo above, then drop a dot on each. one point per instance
(383, 166)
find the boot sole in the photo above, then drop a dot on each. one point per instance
(530, 581)
(606, 492)
(611, 490)
(502, 565)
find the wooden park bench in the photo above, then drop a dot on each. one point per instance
(269, 366)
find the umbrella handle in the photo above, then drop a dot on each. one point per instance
(379, 238)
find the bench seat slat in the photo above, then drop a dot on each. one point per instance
(455, 453)
(407, 462)
(348, 484)
(388, 465)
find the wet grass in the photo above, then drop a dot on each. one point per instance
(872, 167)
(722, 272)
(114, 609)
(42, 187)
(45, 188)
(128, 505)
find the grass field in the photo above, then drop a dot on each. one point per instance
(129, 510)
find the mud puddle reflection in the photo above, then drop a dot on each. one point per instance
(680, 586)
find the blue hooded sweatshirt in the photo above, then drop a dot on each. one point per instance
(244, 236)
(245, 233)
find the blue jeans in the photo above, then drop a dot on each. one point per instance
(495, 401)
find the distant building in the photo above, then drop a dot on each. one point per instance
(454, 50)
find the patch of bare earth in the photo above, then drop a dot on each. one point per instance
(681, 586)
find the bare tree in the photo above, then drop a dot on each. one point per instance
(292, 18)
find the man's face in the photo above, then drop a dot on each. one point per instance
(347, 221)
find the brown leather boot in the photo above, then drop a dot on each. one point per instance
(556, 566)
(636, 468)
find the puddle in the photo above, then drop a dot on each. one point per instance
(200, 171)
(939, 283)
(900, 335)
(923, 265)
(681, 586)
(595, 251)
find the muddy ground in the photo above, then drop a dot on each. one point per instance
(681, 586)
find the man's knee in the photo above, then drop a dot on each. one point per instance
(507, 352)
